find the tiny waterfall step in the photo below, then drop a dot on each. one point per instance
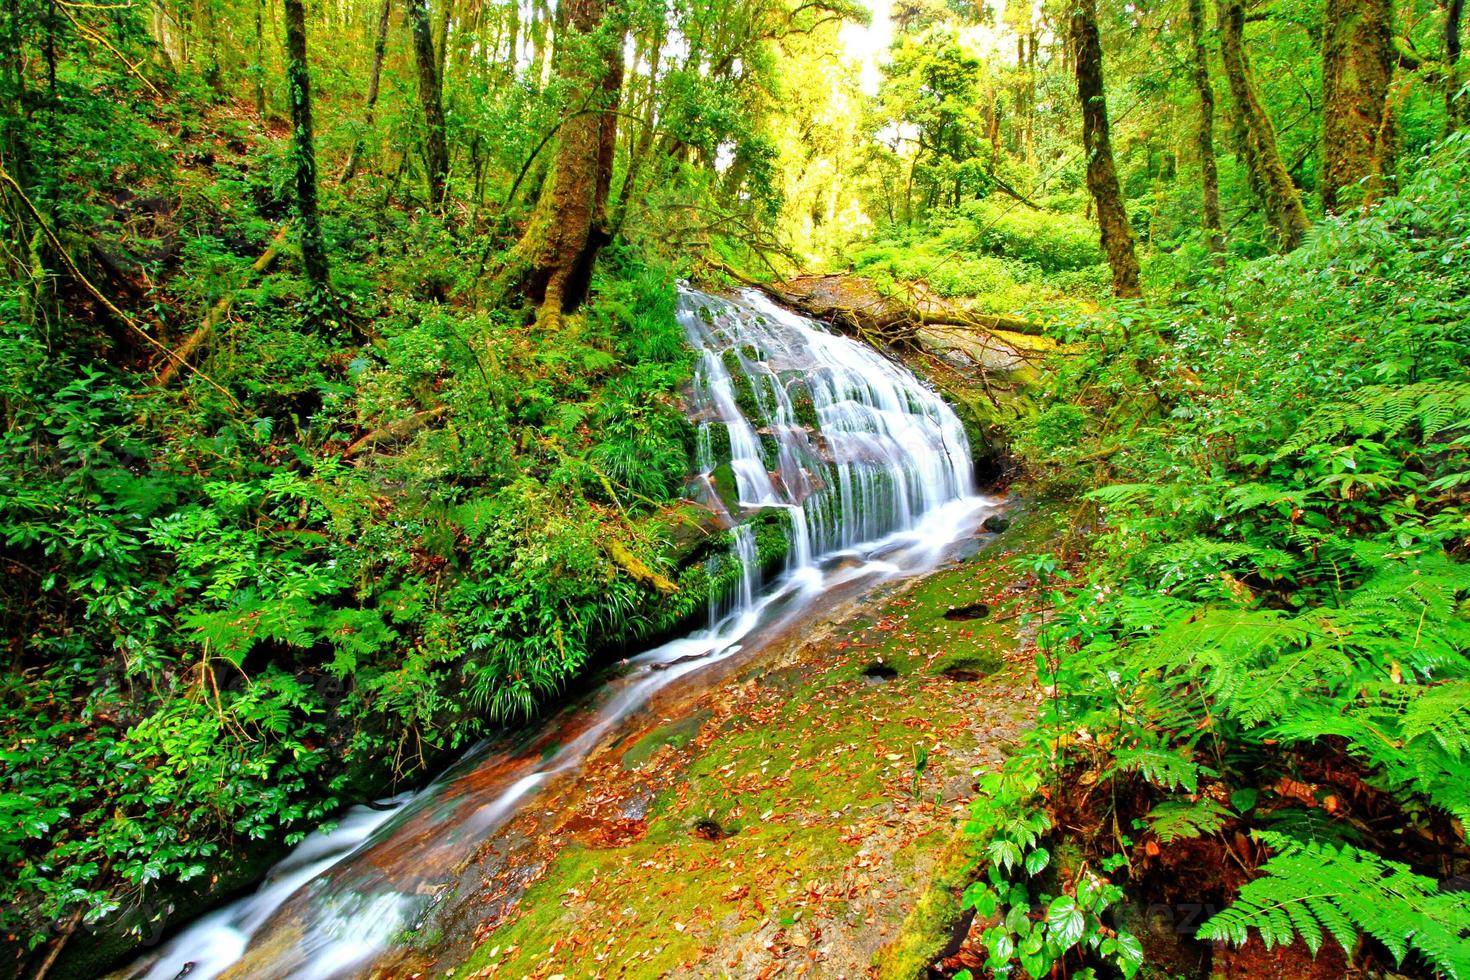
(870, 473)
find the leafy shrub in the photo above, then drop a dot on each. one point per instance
(1274, 616)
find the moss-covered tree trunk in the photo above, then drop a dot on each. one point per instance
(431, 101)
(552, 263)
(1102, 174)
(1357, 126)
(298, 78)
(1205, 130)
(1457, 108)
(1268, 174)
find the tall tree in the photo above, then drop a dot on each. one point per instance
(1205, 131)
(380, 48)
(1457, 108)
(431, 101)
(1268, 174)
(552, 263)
(298, 78)
(1357, 126)
(1102, 174)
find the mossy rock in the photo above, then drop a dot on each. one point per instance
(718, 435)
(803, 408)
(772, 538)
(770, 451)
(726, 487)
(745, 399)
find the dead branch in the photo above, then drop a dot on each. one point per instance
(216, 313)
(394, 430)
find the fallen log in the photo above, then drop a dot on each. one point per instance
(856, 305)
(394, 430)
(216, 313)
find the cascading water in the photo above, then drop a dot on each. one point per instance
(846, 441)
(858, 457)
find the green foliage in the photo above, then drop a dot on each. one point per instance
(1309, 889)
(1026, 924)
(1274, 612)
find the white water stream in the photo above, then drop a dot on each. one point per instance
(881, 488)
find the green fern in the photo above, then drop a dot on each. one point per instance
(1173, 820)
(1310, 889)
(1386, 410)
(1160, 766)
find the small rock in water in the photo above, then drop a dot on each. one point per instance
(996, 523)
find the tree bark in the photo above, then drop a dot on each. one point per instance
(380, 48)
(431, 102)
(298, 77)
(1357, 126)
(1268, 173)
(552, 263)
(1205, 134)
(638, 152)
(1102, 174)
(1457, 109)
(259, 70)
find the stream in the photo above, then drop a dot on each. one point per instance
(873, 476)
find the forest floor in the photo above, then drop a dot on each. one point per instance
(802, 817)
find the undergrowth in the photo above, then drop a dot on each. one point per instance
(1258, 679)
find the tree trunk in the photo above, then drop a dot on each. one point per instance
(431, 102)
(441, 46)
(639, 152)
(1205, 137)
(1357, 126)
(553, 260)
(1102, 175)
(513, 29)
(380, 48)
(540, 16)
(260, 59)
(1457, 108)
(298, 77)
(1268, 173)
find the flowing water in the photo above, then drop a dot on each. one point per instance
(871, 474)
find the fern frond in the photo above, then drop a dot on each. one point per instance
(1308, 889)
(1160, 766)
(1386, 410)
(1443, 712)
(1173, 820)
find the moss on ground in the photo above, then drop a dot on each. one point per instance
(771, 831)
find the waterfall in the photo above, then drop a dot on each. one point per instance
(851, 453)
(844, 440)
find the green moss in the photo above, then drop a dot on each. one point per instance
(719, 441)
(772, 538)
(676, 735)
(803, 409)
(979, 663)
(926, 930)
(726, 488)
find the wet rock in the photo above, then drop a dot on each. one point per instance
(996, 523)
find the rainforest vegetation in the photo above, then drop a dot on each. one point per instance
(344, 422)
